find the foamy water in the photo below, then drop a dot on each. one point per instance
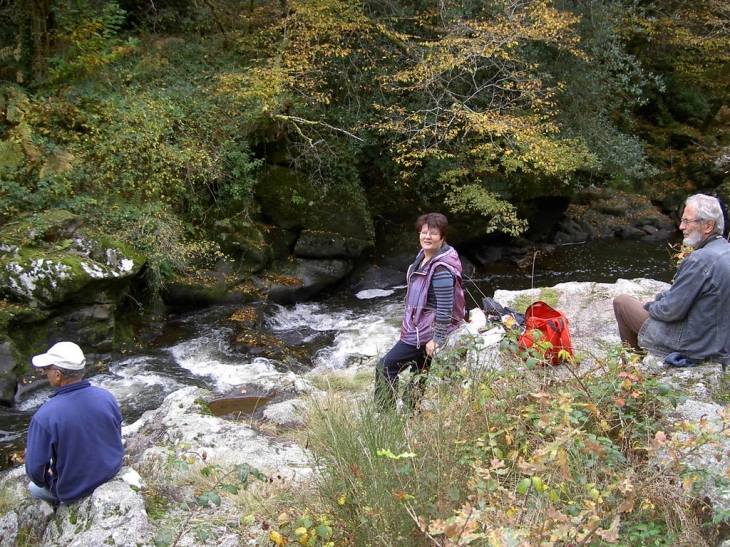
(358, 333)
(335, 332)
(339, 335)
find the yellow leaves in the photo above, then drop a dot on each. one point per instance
(486, 104)
(303, 534)
(316, 34)
(698, 37)
(465, 526)
(277, 539)
(551, 26)
(308, 530)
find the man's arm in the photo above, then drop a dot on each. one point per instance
(675, 303)
(38, 454)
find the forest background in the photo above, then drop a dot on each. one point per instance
(155, 120)
(159, 122)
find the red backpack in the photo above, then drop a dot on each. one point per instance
(553, 325)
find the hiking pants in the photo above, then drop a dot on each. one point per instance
(400, 357)
(630, 316)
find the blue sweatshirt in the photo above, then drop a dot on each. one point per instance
(75, 441)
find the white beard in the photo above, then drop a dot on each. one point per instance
(692, 240)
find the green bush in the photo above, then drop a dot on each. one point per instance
(508, 456)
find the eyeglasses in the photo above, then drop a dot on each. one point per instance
(690, 220)
(432, 234)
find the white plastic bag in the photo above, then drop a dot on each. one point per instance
(477, 321)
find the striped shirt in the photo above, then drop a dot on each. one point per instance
(441, 298)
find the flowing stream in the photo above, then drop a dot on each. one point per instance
(333, 331)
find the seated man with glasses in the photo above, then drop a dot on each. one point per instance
(74, 438)
(690, 319)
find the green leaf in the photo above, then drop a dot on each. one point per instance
(163, 538)
(233, 489)
(208, 498)
(324, 531)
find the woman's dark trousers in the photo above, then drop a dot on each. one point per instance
(400, 357)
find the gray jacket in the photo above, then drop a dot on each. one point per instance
(692, 316)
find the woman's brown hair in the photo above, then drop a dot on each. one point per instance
(433, 220)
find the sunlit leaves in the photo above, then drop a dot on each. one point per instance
(478, 97)
(303, 56)
(698, 38)
(473, 197)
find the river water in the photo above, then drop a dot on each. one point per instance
(333, 332)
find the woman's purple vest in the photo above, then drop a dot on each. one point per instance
(417, 325)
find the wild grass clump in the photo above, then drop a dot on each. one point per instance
(507, 455)
(342, 381)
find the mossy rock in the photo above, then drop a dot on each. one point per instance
(50, 258)
(293, 203)
(225, 284)
(245, 243)
(300, 279)
(42, 280)
(47, 230)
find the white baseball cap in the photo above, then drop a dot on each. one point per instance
(63, 354)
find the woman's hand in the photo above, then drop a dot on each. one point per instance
(431, 347)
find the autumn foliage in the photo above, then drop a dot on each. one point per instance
(117, 111)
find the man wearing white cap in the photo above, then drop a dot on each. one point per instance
(75, 438)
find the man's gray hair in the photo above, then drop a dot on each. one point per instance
(69, 374)
(708, 208)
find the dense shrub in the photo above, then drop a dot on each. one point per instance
(511, 456)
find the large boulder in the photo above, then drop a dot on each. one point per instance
(114, 515)
(325, 245)
(60, 279)
(184, 427)
(245, 242)
(300, 279)
(51, 258)
(588, 306)
(178, 440)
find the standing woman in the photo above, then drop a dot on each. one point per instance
(434, 308)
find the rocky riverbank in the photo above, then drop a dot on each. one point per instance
(61, 279)
(168, 449)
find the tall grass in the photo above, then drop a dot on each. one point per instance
(507, 455)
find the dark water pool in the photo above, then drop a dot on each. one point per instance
(603, 261)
